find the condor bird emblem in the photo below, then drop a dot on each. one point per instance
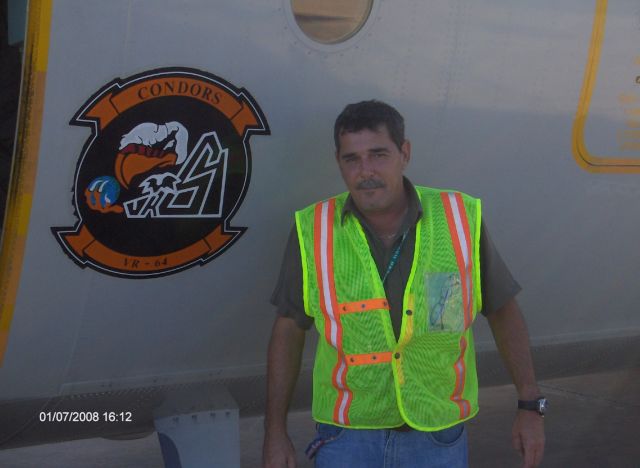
(166, 167)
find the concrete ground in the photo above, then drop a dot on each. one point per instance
(592, 422)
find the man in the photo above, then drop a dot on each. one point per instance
(390, 274)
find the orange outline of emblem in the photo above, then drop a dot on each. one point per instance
(100, 110)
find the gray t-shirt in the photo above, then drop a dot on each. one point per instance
(498, 285)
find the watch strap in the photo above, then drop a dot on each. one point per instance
(532, 405)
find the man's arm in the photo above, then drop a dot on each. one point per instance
(512, 339)
(283, 367)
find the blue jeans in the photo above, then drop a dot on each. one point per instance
(386, 448)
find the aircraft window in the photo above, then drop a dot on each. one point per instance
(331, 21)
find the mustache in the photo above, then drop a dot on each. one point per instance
(370, 184)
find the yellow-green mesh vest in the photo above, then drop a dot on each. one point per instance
(362, 377)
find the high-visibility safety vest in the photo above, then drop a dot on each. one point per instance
(364, 378)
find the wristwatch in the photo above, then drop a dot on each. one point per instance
(540, 405)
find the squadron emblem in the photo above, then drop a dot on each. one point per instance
(166, 167)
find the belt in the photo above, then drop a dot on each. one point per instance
(403, 428)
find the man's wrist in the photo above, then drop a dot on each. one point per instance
(539, 405)
(529, 392)
(275, 424)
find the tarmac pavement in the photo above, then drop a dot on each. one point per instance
(592, 422)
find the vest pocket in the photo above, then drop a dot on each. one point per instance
(444, 300)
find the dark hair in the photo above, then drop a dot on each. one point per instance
(369, 115)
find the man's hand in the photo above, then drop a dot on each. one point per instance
(278, 451)
(283, 367)
(528, 437)
(512, 339)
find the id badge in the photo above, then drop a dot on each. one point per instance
(444, 298)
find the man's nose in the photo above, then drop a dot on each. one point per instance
(367, 167)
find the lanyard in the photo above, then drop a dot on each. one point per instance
(395, 256)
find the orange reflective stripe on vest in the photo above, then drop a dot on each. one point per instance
(459, 228)
(460, 370)
(370, 358)
(363, 306)
(323, 251)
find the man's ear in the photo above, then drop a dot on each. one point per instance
(405, 149)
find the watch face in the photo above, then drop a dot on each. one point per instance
(542, 405)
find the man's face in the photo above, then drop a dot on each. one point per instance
(372, 165)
